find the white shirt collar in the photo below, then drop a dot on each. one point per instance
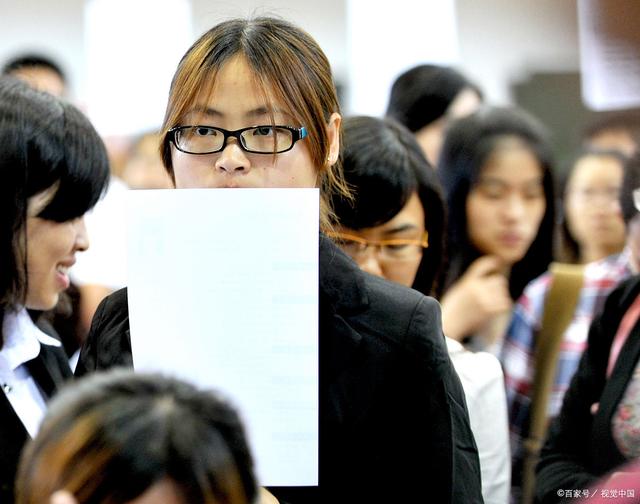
(22, 339)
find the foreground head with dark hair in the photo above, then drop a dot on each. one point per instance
(53, 168)
(114, 437)
(496, 173)
(397, 197)
(426, 97)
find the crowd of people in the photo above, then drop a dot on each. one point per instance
(441, 228)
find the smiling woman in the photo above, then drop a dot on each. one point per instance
(54, 168)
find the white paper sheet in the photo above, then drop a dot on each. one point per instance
(223, 291)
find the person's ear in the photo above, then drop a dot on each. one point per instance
(62, 497)
(333, 132)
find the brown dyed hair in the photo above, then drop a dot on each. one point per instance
(287, 64)
(111, 436)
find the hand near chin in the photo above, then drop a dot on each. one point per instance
(479, 295)
(267, 497)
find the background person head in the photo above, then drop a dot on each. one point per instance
(38, 71)
(426, 98)
(496, 173)
(259, 72)
(397, 200)
(122, 437)
(592, 226)
(630, 208)
(54, 168)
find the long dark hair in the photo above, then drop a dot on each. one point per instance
(468, 144)
(384, 165)
(44, 142)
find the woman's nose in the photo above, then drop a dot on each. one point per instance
(232, 159)
(369, 262)
(515, 208)
(82, 237)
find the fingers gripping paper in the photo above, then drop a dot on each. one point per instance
(223, 291)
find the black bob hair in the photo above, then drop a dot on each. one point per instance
(468, 144)
(44, 143)
(422, 94)
(384, 165)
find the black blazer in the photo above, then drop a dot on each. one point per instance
(580, 447)
(49, 370)
(393, 420)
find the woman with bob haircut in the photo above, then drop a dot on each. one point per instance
(395, 230)
(120, 436)
(54, 168)
(495, 169)
(252, 104)
(426, 98)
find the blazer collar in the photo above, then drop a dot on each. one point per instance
(341, 281)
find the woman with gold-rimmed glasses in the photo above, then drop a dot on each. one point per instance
(394, 229)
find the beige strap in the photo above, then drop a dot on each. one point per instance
(559, 307)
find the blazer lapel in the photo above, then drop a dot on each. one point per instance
(49, 369)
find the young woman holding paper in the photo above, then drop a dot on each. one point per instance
(54, 168)
(252, 104)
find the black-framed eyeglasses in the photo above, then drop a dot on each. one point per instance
(265, 139)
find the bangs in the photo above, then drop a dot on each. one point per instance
(81, 173)
(377, 198)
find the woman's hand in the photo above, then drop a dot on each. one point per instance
(478, 296)
(267, 497)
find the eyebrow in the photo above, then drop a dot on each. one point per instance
(495, 180)
(400, 228)
(256, 112)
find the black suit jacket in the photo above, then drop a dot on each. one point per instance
(49, 370)
(393, 420)
(580, 447)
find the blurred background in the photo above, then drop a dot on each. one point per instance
(561, 60)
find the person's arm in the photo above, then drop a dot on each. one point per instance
(563, 459)
(107, 344)
(488, 416)
(442, 437)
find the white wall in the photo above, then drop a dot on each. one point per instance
(500, 41)
(50, 27)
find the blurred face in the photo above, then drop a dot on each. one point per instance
(592, 209)
(51, 250)
(397, 263)
(237, 102)
(144, 169)
(504, 209)
(431, 136)
(42, 79)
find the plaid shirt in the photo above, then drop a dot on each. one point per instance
(517, 352)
